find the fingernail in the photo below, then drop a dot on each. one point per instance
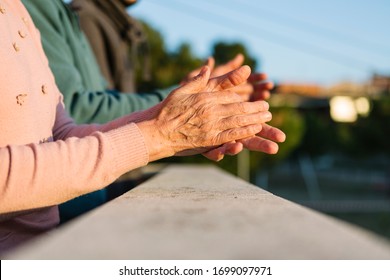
(268, 115)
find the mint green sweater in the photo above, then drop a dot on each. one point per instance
(75, 68)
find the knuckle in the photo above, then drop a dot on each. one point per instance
(254, 129)
(233, 134)
(241, 121)
(243, 108)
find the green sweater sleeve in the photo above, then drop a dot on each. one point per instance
(75, 68)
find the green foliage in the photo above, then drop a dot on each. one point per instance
(319, 136)
(168, 68)
(368, 135)
(224, 52)
(365, 137)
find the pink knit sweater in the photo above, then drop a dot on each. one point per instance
(45, 159)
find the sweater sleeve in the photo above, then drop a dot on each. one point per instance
(70, 61)
(39, 175)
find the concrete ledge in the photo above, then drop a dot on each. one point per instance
(201, 212)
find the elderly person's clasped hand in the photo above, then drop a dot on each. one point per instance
(255, 86)
(205, 116)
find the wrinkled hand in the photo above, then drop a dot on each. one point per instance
(191, 121)
(237, 79)
(256, 86)
(221, 83)
(264, 141)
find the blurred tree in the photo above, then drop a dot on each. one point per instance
(184, 61)
(224, 52)
(320, 135)
(168, 68)
(157, 55)
(368, 135)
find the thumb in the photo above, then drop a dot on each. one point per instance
(197, 83)
(237, 61)
(229, 66)
(210, 63)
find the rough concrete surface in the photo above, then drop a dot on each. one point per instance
(201, 212)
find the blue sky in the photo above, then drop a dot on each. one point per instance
(307, 41)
